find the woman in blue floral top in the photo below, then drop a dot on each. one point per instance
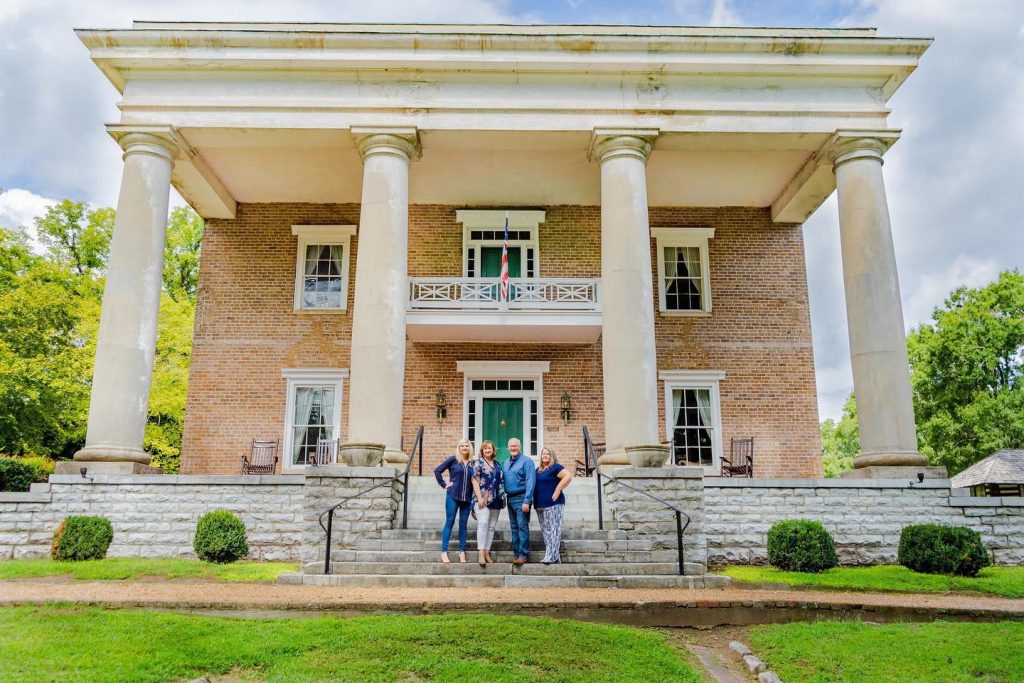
(488, 485)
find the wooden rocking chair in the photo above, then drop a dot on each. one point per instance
(262, 458)
(740, 462)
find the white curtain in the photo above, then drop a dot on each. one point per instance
(303, 409)
(704, 407)
(692, 256)
(309, 281)
(677, 412)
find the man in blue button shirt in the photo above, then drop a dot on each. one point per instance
(520, 478)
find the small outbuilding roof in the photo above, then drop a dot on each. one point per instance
(1002, 467)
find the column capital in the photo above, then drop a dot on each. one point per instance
(398, 141)
(609, 143)
(847, 145)
(158, 141)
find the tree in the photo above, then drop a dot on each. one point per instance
(840, 441)
(76, 235)
(967, 368)
(181, 254)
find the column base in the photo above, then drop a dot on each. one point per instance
(896, 472)
(92, 467)
(890, 459)
(616, 458)
(102, 453)
(395, 457)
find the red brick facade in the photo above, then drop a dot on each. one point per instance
(247, 332)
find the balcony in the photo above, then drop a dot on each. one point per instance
(538, 310)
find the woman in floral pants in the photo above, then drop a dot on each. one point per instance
(549, 501)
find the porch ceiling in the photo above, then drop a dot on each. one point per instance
(501, 168)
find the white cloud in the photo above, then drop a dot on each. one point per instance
(933, 288)
(723, 15)
(19, 207)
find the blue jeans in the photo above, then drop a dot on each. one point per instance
(520, 523)
(451, 506)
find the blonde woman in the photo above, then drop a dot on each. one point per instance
(458, 498)
(549, 501)
(488, 486)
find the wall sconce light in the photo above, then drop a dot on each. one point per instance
(441, 403)
(566, 407)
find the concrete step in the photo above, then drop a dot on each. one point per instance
(503, 533)
(505, 544)
(568, 556)
(506, 581)
(436, 567)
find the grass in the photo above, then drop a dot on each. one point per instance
(95, 644)
(120, 568)
(1003, 581)
(938, 652)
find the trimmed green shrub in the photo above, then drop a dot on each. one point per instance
(17, 474)
(801, 545)
(82, 538)
(220, 537)
(942, 549)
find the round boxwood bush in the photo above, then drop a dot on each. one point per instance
(17, 474)
(220, 537)
(82, 538)
(801, 545)
(942, 549)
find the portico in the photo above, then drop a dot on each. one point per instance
(651, 161)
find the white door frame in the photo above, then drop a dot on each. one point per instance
(505, 370)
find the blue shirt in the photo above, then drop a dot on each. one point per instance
(547, 482)
(459, 474)
(520, 477)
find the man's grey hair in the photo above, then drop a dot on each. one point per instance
(516, 441)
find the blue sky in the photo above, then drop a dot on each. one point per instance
(954, 180)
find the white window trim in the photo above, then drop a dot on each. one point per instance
(684, 237)
(697, 379)
(305, 377)
(484, 369)
(481, 219)
(334, 235)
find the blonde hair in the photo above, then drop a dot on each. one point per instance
(551, 452)
(494, 448)
(458, 450)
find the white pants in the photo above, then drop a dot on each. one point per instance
(486, 519)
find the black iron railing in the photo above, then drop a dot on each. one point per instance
(329, 512)
(680, 513)
(590, 456)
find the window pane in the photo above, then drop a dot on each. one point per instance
(322, 271)
(682, 278)
(693, 422)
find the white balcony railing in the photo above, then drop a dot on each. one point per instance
(480, 294)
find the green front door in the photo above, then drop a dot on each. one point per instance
(503, 420)
(490, 261)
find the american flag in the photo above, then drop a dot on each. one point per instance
(504, 264)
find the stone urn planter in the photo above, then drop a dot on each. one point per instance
(361, 454)
(647, 454)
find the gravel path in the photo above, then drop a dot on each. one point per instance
(213, 595)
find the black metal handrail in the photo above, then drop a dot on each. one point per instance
(329, 512)
(590, 457)
(680, 513)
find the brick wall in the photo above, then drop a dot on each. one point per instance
(246, 332)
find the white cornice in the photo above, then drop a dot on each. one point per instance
(493, 219)
(324, 231)
(507, 368)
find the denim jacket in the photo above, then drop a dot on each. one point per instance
(520, 477)
(459, 475)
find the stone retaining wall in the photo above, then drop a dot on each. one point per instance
(865, 516)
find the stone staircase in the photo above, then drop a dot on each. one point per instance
(591, 557)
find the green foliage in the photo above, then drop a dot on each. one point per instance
(125, 568)
(937, 652)
(18, 474)
(967, 369)
(840, 441)
(43, 643)
(49, 317)
(181, 254)
(801, 545)
(942, 549)
(220, 537)
(82, 538)
(1007, 582)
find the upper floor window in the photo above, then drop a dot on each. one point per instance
(684, 280)
(321, 266)
(483, 239)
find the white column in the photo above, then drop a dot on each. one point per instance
(377, 363)
(878, 344)
(629, 358)
(126, 343)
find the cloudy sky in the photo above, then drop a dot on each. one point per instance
(953, 181)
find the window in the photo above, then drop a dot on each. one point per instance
(693, 422)
(684, 281)
(321, 267)
(312, 413)
(484, 236)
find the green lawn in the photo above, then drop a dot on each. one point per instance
(1004, 581)
(95, 644)
(938, 652)
(115, 568)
